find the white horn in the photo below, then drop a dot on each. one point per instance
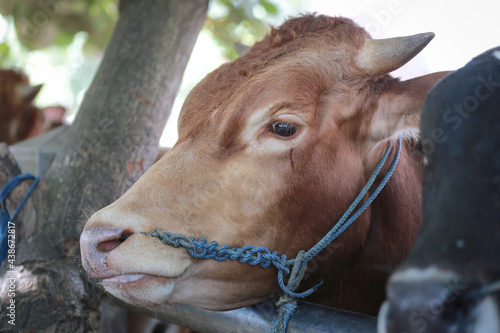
(381, 56)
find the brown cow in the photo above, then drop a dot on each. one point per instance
(19, 118)
(273, 147)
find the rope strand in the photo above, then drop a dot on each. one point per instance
(5, 217)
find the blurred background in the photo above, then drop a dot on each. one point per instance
(63, 43)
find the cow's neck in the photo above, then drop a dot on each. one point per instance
(393, 219)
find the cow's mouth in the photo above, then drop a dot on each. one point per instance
(133, 278)
(126, 278)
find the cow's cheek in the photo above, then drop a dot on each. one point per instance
(225, 285)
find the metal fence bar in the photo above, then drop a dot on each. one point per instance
(309, 318)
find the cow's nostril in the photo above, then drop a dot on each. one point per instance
(111, 244)
(108, 246)
(125, 235)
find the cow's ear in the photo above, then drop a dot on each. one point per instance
(399, 107)
(28, 93)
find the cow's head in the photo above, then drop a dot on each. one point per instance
(272, 149)
(17, 112)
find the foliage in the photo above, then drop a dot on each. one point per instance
(60, 43)
(47, 22)
(244, 21)
(41, 23)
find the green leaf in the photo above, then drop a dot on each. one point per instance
(4, 54)
(269, 7)
(64, 38)
(4, 48)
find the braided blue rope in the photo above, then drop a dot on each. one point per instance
(199, 249)
(5, 217)
(258, 255)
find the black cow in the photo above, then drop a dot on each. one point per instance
(450, 281)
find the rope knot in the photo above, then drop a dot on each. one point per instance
(287, 303)
(298, 271)
(287, 307)
(284, 300)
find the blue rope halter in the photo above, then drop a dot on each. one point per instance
(258, 255)
(5, 218)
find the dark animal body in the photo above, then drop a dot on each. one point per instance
(450, 281)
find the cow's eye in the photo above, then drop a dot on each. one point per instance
(283, 128)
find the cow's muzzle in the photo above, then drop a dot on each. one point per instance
(96, 244)
(438, 306)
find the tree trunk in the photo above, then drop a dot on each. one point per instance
(113, 140)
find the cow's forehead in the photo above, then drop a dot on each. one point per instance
(292, 65)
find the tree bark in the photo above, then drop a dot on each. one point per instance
(113, 140)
